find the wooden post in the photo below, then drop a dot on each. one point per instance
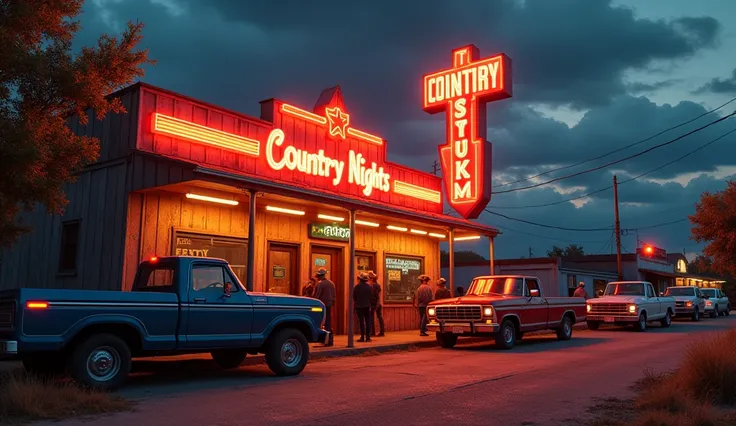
(351, 280)
(451, 261)
(250, 270)
(492, 255)
(617, 230)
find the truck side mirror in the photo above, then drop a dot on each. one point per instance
(534, 292)
(227, 288)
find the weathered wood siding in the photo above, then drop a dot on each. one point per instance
(98, 199)
(159, 213)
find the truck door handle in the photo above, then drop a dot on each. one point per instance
(200, 299)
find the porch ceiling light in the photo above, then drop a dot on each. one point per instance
(397, 228)
(200, 197)
(366, 223)
(433, 234)
(328, 217)
(468, 238)
(283, 210)
(418, 231)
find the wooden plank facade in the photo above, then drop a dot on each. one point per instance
(132, 204)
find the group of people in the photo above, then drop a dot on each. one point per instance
(367, 301)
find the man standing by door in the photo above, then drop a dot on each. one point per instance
(422, 298)
(376, 307)
(325, 292)
(362, 294)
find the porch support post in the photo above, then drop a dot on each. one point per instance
(451, 261)
(250, 270)
(351, 280)
(492, 254)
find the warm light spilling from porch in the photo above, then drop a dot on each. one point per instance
(418, 231)
(328, 217)
(211, 199)
(286, 211)
(397, 228)
(432, 234)
(366, 223)
(468, 238)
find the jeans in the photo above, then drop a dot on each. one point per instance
(363, 320)
(423, 319)
(377, 310)
(328, 318)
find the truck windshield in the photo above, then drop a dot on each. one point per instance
(507, 286)
(674, 291)
(624, 289)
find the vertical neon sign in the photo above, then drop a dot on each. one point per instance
(462, 92)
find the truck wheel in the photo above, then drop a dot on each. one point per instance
(667, 321)
(696, 315)
(446, 340)
(45, 365)
(715, 312)
(287, 352)
(641, 325)
(594, 325)
(101, 362)
(506, 336)
(231, 358)
(565, 330)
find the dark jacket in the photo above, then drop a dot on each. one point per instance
(362, 295)
(325, 292)
(442, 293)
(423, 296)
(580, 292)
(376, 297)
(308, 290)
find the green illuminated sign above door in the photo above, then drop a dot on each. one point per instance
(329, 232)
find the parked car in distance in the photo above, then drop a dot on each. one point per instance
(717, 302)
(503, 307)
(177, 305)
(630, 303)
(689, 301)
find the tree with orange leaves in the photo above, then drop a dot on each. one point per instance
(42, 83)
(714, 223)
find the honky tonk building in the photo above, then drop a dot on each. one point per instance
(278, 196)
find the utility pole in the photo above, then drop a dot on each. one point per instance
(531, 255)
(617, 230)
(435, 167)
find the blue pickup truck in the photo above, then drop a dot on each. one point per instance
(177, 305)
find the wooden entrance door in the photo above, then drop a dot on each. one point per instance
(282, 274)
(330, 258)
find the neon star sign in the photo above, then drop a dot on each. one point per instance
(462, 92)
(338, 121)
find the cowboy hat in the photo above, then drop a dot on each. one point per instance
(424, 277)
(441, 281)
(363, 276)
(372, 275)
(321, 272)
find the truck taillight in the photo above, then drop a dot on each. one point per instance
(37, 305)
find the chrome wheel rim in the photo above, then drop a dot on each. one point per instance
(668, 319)
(642, 322)
(103, 363)
(291, 353)
(508, 334)
(568, 328)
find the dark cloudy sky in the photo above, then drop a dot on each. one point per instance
(590, 76)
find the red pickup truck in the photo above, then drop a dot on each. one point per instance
(503, 307)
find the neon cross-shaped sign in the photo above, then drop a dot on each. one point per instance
(462, 92)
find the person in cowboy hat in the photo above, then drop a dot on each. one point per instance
(376, 307)
(325, 291)
(362, 295)
(580, 291)
(422, 297)
(442, 291)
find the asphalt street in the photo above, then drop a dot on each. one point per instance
(540, 382)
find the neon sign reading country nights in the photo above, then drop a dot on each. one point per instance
(462, 92)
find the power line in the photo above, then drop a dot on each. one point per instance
(561, 228)
(610, 163)
(658, 225)
(615, 150)
(623, 181)
(506, 228)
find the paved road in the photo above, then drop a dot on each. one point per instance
(541, 382)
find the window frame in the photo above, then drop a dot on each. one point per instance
(190, 233)
(385, 284)
(63, 242)
(237, 286)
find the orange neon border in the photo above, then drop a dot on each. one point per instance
(179, 128)
(501, 83)
(414, 191)
(314, 118)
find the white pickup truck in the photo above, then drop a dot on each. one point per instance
(630, 302)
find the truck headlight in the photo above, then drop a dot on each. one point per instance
(588, 308)
(430, 312)
(632, 309)
(689, 304)
(488, 312)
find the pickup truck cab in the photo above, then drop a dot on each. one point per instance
(689, 301)
(717, 302)
(630, 303)
(177, 305)
(503, 307)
